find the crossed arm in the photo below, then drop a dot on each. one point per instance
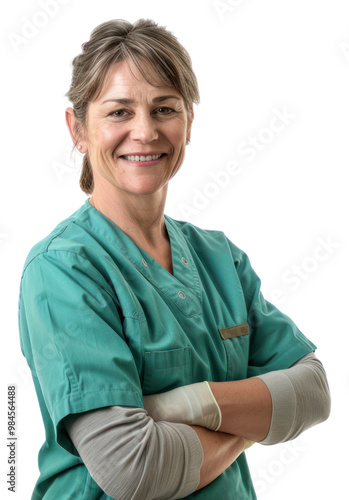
(270, 408)
(122, 446)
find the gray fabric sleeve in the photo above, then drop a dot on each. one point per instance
(300, 397)
(132, 457)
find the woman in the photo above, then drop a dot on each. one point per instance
(155, 357)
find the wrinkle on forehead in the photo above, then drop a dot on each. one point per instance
(124, 78)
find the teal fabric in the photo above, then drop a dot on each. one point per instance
(102, 323)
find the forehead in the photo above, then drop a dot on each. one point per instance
(125, 80)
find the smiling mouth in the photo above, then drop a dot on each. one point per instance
(142, 158)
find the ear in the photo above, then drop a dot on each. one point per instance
(190, 121)
(75, 130)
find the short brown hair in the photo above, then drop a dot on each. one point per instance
(144, 43)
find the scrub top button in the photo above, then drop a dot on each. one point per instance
(144, 262)
(184, 260)
(181, 295)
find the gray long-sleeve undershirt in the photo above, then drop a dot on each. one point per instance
(300, 396)
(132, 457)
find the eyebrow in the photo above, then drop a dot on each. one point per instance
(158, 99)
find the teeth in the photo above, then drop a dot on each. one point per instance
(141, 158)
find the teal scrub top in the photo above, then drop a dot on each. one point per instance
(102, 323)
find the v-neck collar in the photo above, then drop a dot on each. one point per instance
(183, 286)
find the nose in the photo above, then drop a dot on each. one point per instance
(144, 128)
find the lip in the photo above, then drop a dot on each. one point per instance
(144, 153)
(144, 163)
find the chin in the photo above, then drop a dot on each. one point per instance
(143, 189)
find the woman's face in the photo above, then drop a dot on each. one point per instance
(136, 133)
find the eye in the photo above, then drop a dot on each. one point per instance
(165, 111)
(119, 113)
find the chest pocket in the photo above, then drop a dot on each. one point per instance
(236, 342)
(166, 370)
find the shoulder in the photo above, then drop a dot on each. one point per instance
(67, 237)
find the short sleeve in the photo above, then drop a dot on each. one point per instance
(72, 336)
(275, 341)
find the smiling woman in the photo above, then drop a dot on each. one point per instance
(148, 48)
(135, 144)
(165, 361)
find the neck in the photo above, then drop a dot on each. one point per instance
(141, 217)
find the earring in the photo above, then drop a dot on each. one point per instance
(79, 147)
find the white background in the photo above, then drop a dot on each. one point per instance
(251, 58)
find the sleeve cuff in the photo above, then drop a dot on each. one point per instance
(194, 457)
(284, 406)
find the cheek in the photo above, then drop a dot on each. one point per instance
(178, 136)
(110, 135)
(104, 136)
